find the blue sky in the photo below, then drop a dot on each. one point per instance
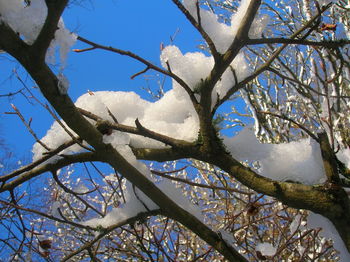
(138, 26)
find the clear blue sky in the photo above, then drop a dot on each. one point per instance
(139, 26)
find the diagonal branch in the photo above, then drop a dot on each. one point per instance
(326, 44)
(198, 26)
(329, 159)
(267, 64)
(139, 217)
(36, 163)
(79, 225)
(103, 125)
(47, 33)
(222, 64)
(34, 172)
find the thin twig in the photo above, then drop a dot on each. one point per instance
(18, 113)
(162, 174)
(144, 61)
(292, 121)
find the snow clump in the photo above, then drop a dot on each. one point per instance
(298, 161)
(223, 34)
(27, 21)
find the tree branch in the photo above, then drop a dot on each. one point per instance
(329, 159)
(198, 26)
(54, 11)
(36, 171)
(47, 216)
(267, 64)
(102, 125)
(139, 217)
(34, 164)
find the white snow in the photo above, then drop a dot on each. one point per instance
(266, 249)
(63, 84)
(298, 161)
(25, 20)
(171, 116)
(81, 189)
(227, 236)
(329, 231)
(131, 208)
(195, 67)
(64, 40)
(344, 156)
(111, 178)
(28, 21)
(55, 209)
(136, 203)
(223, 34)
(296, 223)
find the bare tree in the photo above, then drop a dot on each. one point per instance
(283, 61)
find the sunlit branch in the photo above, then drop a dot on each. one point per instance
(69, 191)
(238, 42)
(292, 121)
(104, 125)
(326, 44)
(267, 64)
(329, 159)
(186, 181)
(106, 231)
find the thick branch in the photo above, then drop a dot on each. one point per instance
(238, 42)
(221, 65)
(294, 195)
(329, 200)
(47, 33)
(103, 125)
(11, 42)
(161, 155)
(329, 159)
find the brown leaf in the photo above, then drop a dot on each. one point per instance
(328, 27)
